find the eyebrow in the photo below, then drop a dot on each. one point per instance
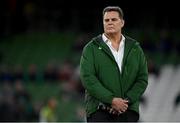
(112, 19)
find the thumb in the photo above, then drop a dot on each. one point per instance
(126, 101)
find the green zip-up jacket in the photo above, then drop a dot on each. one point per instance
(102, 79)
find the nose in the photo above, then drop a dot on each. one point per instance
(110, 23)
(110, 20)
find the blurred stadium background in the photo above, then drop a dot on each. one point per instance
(40, 47)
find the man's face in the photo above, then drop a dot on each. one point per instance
(112, 22)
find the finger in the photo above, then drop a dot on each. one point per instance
(108, 108)
(110, 111)
(126, 101)
(113, 112)
(125, 105)
(119, 112)
(124, 108)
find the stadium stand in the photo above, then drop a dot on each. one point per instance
(160, 94)
(33, 53)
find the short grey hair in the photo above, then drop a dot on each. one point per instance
(114, 8)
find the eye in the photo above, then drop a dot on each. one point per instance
(106, 20)
(114, 19)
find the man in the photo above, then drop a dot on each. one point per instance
(48, 112)
(113, 70)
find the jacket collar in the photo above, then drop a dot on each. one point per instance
(101, 44)
(129, 43)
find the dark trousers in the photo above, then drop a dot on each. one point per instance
(104, 116)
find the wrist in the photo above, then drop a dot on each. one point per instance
(113, 100)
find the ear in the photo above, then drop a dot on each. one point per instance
(122, 22)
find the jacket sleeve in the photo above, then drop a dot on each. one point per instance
(89, 79)
(141, 80)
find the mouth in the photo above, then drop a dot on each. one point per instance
(110, 28)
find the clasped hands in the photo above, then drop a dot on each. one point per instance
(118, 106)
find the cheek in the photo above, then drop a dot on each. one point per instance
(104, 25)
(118, 26)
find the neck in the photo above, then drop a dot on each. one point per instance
(116, 38)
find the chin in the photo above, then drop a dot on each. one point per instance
(110, 32)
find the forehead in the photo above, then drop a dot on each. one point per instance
(111, 14)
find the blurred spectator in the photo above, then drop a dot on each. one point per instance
(1, 72)
(48, 112)
(32, 72)
(6, 73)
(69, 89)
(79, 87)
(79, 43)
(18, 73)
(50, 72)
(165, 42)
(37, 108)
(81, 114)
(65, 71)
(7, 106)
(1, 57)
(152, 68)
(148, 45)
(22, 101)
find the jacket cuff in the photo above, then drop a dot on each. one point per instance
(110, 100)
(128, 99)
